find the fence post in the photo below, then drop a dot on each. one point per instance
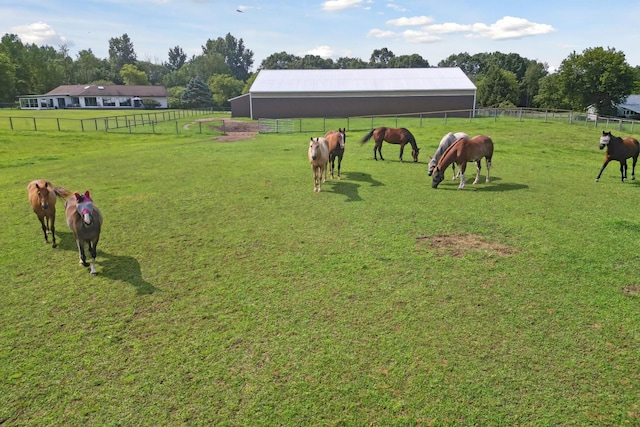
(95, 123)
(445, 118)
(176, 127)
(153, 127)
(200, 127)
(82, 125)
(10, 123)
(35, 127)
(58, 122)
(106, 125)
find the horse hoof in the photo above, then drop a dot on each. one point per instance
(55, 245)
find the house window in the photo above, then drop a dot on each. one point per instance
(108, 102)
(75, 101)
(90, 101)
(125, 102)
(29, 103)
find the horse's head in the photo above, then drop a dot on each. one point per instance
(343, 140)
(414, 153)
(604, 139)
(85, 207)
(43, 195)
(438, 177)
(432, 166)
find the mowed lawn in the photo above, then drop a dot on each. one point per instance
(229, 293)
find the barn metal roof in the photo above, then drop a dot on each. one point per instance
(377, 80)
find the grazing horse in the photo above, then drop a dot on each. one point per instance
(462, 151)
(393, 136)
(318, 157)
(335, 142)
(42, 196)
(619, 149)
(445, 143)
(85, 220)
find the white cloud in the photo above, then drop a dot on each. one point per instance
(447, 28)
(321, 51)
(396, 7)
(337, 5)
(380, 34)
(410, 22)
(510, 27)
(39, 33)
(420, 36)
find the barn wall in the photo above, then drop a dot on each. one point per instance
(241, 106)
(277, 108)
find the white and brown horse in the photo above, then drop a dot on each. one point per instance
(619, 149)
(42, 196)
(85, 220)
(318, 158)
(445, 143)
(335, 141)
(465, 150)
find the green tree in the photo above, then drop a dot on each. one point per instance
(7, 79)
(249, 82)
(314, 62)
(131, 76)
(350, 63)
(177, 58)
(550, 93)
(597, 77)
(224, 87)
(197, 94)
(155, 72)
(408, 61)
(88, 68)
(205, 66)
(380, 58)
(236, 56)
(497, 87)
(530, 84)
(121, 52)
(280, 61)
(175, 93)
(16, 51)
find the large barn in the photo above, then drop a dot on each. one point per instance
(279, 94)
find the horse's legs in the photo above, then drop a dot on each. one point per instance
(463, 180)
(53, 232)
(83, 257)
(488, 160)
(44, 228)
(93, 250)
(623, 170)
(633, 169)
(378, 147)
(455, 175)
(339, 164)
(604, 165)
(332, 160)
(401, 151)
(478, 168)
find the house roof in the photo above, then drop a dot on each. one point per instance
(109, 90)
(362, 80)
(632, 103)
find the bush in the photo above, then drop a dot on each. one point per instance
(150, 103)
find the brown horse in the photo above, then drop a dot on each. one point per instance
(336, 141)
(393, 136)
(462, 151)
(619, 149)
(85, 220)
(42, 196)
(318, 158)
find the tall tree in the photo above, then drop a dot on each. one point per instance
(497, 88)
(408, 61)
(88, 68)
(380, 58)
(132, 76)
(350, 63)
(224, 87)
(279, 61)
(530, 84)
(177, 58)
(237, 57)
(597, 77)
(7, 79)
(121, 52)
(16, 51)
(197, 94)
(550, 94)
(314, 62)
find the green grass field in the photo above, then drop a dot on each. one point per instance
(229, 293)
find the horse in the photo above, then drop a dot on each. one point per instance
(85, 220)
(445, 143)
(335, 142)
(619, 149)
(318, 158)
(465, 150)
(42, 196)
(393, 136)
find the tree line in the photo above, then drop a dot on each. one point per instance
(596, 77)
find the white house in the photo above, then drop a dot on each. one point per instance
(95, 96)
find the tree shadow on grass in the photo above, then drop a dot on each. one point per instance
(115, 267)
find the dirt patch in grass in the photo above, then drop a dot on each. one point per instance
(631, 290)
(457, 245)
(234, 130)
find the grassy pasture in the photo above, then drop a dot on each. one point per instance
(229, 293)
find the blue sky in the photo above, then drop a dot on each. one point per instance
(547, 31)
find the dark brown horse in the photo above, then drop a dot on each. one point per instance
(465, 150)
(42, 196)
(85, 220)
(393, 136)
(336, 141)
(619, 149)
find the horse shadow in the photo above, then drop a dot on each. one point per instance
(363, 177)
(493, 186)
(115, 267)
(348, 189)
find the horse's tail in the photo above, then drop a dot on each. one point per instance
(367, 137)
(62, 192)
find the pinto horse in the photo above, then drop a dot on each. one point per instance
(465, 150)
(393, 136)
(85, 220)
(318, 158)
(445, 143)
(619, 149)
(335, 142)
(42, 196)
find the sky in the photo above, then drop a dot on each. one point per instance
(541, 30)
